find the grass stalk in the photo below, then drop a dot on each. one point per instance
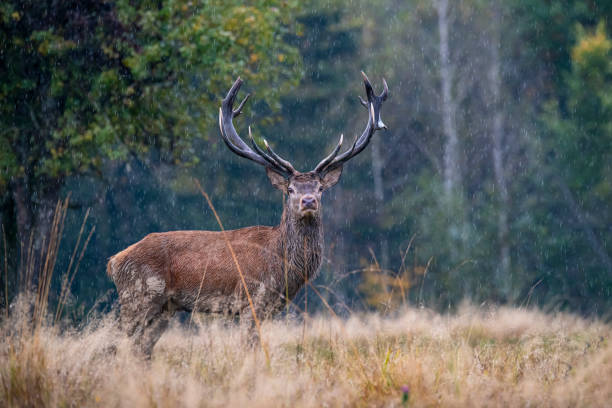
(72, 258)
(6, 295)
(235, 259)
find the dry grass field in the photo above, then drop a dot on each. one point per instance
(476, 357)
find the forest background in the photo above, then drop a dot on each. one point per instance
(492, 184)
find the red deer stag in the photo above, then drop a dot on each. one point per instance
(196, 271)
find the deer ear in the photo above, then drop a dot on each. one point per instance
(331, 178)
(277, 180)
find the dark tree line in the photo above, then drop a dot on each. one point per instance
(495, 172)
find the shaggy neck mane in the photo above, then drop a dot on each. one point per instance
(300, 247)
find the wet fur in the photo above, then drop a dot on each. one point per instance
(195, 271)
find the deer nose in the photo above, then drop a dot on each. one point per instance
(309, 202)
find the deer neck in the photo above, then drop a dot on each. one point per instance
(301, 246)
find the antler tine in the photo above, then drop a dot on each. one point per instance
(259, 151)
(238, 110)
(221, 123)
(383, 96)
(247, 154)
(364, 103)
(284, 163)
(385, 92)
(368, 86)
(373, 105)
(235, 143)
(331, 156)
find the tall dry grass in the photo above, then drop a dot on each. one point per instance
(414, 357)
(493, 357)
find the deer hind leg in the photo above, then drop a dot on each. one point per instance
(131, 313)
(152, 332)
(149, 324)
(144, 315)
(128, 319)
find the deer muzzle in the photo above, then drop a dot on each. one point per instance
(308, 203)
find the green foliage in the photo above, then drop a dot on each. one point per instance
(583, 133)
(545, 32)
(579, 148)
(87, 81)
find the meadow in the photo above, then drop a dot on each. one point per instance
(492, 182)
(478, 356)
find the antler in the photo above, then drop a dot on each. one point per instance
(238, 146)
(373, 105)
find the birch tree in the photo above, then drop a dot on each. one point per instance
(452, 170)
(503, 278)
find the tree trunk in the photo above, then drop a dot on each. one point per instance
(503, 278)
(34, 212)
(453, 194)
(452, 173)
(379, 196)
(368, 41)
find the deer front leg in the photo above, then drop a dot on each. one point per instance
(248, 328)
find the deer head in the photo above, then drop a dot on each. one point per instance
(303, 190)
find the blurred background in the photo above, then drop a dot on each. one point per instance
(493, 183)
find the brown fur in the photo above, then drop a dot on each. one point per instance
(195, 271)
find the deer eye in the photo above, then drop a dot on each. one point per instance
(321, 189)
(290, 190)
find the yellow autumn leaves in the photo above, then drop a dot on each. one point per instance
(589, 45)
